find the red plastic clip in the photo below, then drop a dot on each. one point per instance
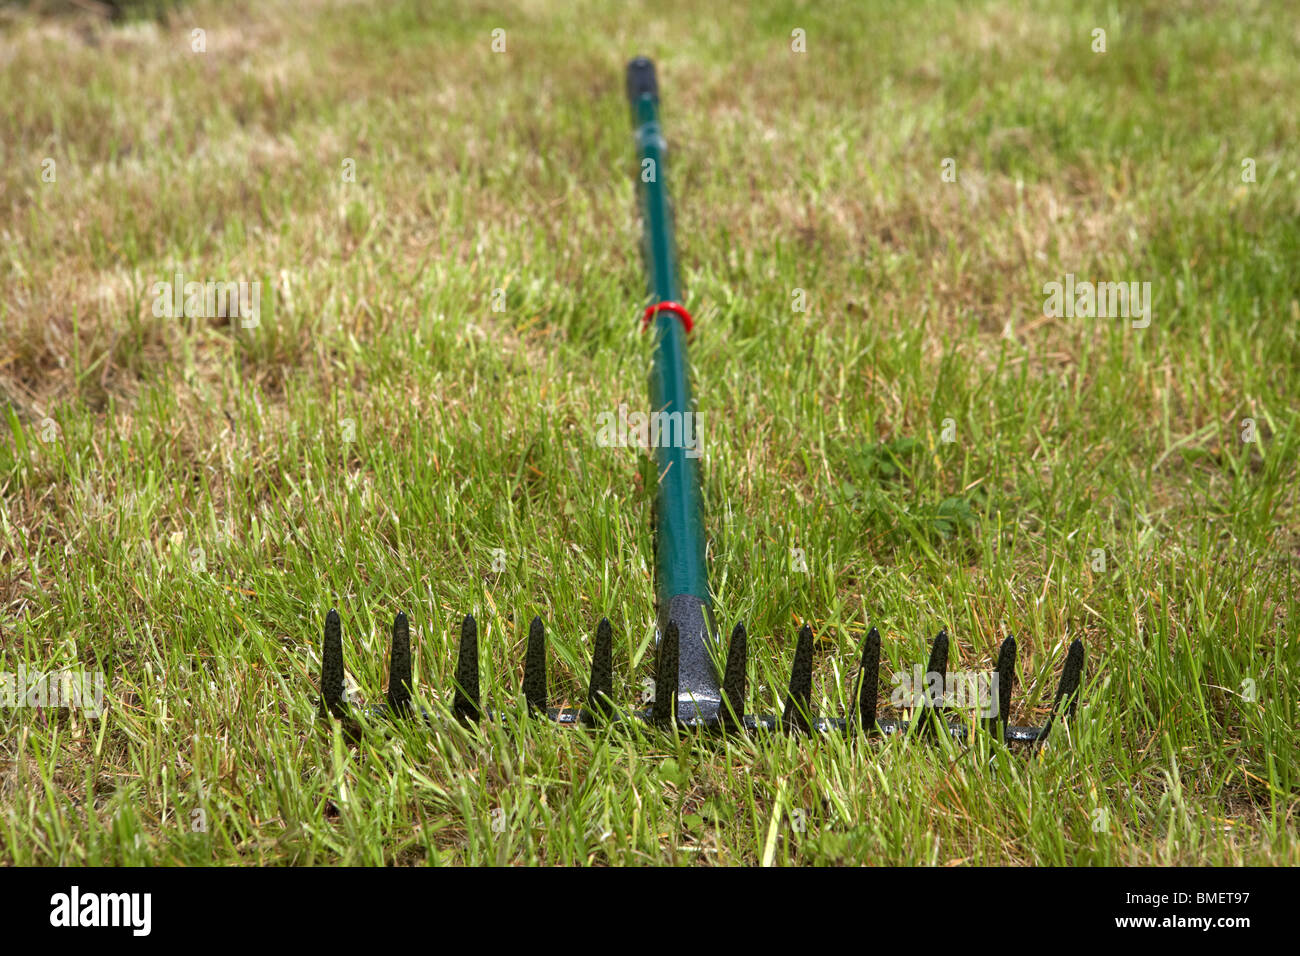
(676, 308)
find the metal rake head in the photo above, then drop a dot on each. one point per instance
(723, 715)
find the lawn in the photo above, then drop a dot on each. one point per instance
(872, 201)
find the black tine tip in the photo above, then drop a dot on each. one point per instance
(600, 692)
(331, 668)
(665, 705)
(1067, 690)
(938, 665)
(399, 667)
(1006, 678)
(939, 656)
(1071, 677)
(465, 704)
(732, 711)
(869, 677)
(798, 704)
(535, 668)
(1074, 670)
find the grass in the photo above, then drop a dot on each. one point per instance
(184, 498)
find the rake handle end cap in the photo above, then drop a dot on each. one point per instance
(641, 80)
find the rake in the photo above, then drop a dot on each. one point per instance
(688, 692)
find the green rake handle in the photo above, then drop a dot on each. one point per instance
(682, 578)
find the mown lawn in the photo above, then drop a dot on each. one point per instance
(447, 245)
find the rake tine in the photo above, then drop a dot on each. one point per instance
(399, 667)
(1006, 679)
(331, 668)
(731, 713)
(939, 655)
(535, 668)
(798, 704)
(1071, 676)
(925, 721)
(665, 705)
(600, 693)
(465, 704)
(863, 710)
